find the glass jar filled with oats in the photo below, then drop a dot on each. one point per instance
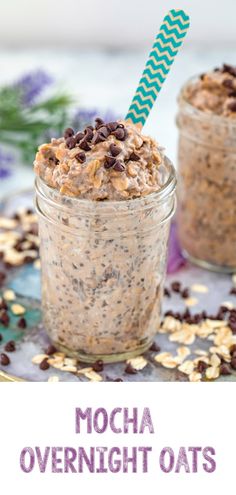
(206, 212)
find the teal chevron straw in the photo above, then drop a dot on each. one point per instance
(162, 55)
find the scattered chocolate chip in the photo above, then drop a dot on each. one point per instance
(225, 369)
(88, 134)
(10, 346)
(233, 290)
(3, 304)
(44, 365)
(109, 161)
(90, 127)
(176, 286)
(154, 347)
(98, 366)
(233, 349)
(69, 132)
(167, 292)
(2, 277)
(134, 157)
(118, 380)
(98, 138)
(114, 150)
(103, 131)
(119, 133)
(201, 366)
(84, 145)
(81, 157)
(70, 143)
(119, 167)
(51, 349)
(232, 325)
(233, 363)
(185, 293)
(230, 69)
(130, 370)
(99, 123)
(232, 106)
(29, 259)
(112, 126)
(4, 318)
(202, 76)
(22, 323)
(4, 360)
(78, 137)
(1, 337)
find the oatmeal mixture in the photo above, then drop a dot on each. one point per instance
(113, 161)
(103, 258)
(207, 168)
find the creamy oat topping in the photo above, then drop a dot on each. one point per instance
(112, 161)
(215, 92)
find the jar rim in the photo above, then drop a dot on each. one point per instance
(140, 202)
(219, 119)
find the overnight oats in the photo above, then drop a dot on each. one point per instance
(104, 198)
(207, 169)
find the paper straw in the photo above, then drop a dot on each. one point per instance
(162, 55)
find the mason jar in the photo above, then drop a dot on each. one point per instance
(103, 268)
(206, 213)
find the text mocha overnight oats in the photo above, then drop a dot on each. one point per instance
(207, 169)
(105, 197)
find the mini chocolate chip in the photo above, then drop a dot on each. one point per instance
(233, 363)
(51, 349)
(176, 286)
(4, 318)
(69, 132)
(118, 380)
(154, 347)
(2, 277)
(114, 150)
(78, 137)
(3, 304)
(119, 167)
(130, 369)
(112, 126)
(109, 161)
(90, 127)
(119, 134)
(88, 134)
(22, 323)
(99, 122)
(28, 259)
(10, 346)
(233, 290)
(230, 69)
(4, 359)
(84, 145)
(98, 138)
(103, 131)
(202, 76)
(225, 369)
(81, 157)
(167, 292)
(1, 337)
(233, 349)
(70, 143)
(232, 325)
(201, 366)
(185, 293)
(232, 106)
(44, 365)
(134, 157)
(98, 366)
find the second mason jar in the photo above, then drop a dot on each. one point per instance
(206, 186)
(103, 268)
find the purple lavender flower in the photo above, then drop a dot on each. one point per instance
(5, 160)
(175, 257)
(31, 86)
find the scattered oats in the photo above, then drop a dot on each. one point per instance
(53, 378)
(162, 356)
(205, 359)
(191, 301)
(70, 369)
(211, 337)
(195, 377)
(203, 330)
(184, 336)
(33, 238)
(59, 354)
(223, 351)
(17, 309)
(39, 358)
(30, 252)
(215, 323)
(90, 374)
(183, 352)
(9, 295)
(25, 245)
(234, 278)
(70, 361)
(187, 367)
(215, 361)
(13, 257)
(171, 362)
(7, 223)
(171, 324)
(224, 336)
(200, 352)
(199, 288)
(227, 304)
(37, 264)
(212, 372)
(138, 363)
